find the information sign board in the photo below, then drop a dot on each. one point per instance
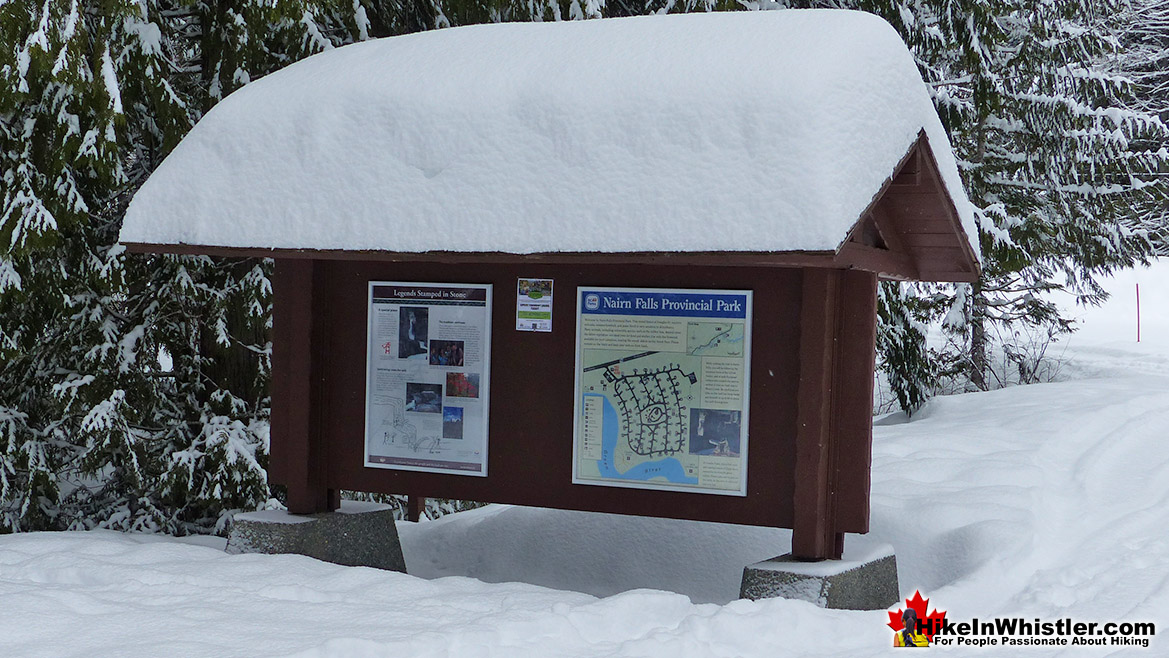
(428, 365)
(662, 389)
(533, 308)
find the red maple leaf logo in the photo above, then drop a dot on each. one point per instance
(929, 623)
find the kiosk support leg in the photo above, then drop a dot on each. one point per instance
(298, 454)
(813, 534)
(834, 425)
(415, 507)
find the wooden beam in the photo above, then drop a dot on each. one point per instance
(813, 529)
(852, 410)
(298, 456)
(415, 507)
(704, 258)
(879, 261)
(834, 432)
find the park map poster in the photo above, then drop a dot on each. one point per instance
(662, 395)
(427, 369)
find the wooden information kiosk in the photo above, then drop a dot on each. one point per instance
(400, 366)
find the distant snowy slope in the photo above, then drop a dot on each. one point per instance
(1105, 341)
(745, 131)
(1040, 501)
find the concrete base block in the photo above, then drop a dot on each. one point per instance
(358, 535)
(864, 581)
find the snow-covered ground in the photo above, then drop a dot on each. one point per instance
(1046, 501)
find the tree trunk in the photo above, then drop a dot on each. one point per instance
(977, 337)
(977, 301)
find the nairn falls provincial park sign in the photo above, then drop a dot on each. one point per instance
(662, 389)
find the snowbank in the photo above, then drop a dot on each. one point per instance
(105, 594)
(751, 131)
(598, 554)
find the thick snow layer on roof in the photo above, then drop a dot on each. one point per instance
(752, 131)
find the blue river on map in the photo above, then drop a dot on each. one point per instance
(668, 468)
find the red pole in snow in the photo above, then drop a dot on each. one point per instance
(1138, 312)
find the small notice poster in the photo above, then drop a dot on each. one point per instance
(533, 306)
(427, 367)
(662, 395)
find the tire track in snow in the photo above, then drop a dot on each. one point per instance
(1099, 514)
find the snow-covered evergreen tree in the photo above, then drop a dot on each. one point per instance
(1056, 152)
(133, 389)
(901, 348)
(68, 72)
(1057, 165)
(1143, 57)
(1143, 54)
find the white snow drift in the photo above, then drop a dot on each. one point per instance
(752, 131)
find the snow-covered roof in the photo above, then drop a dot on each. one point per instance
(747, 131)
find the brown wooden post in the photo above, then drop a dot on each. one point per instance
(853, 407)
(415, 507)
(813, 534)
(298, 456)
(834, 421)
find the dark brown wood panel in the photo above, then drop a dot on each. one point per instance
(940, 259)
(916, 214)
(855, 361)
(923, 241)
(531, 412)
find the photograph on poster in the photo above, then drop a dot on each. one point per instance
(428, 355)
(452, 423)
(424, 398)
(446, 353)
(412, 331)
(535, 288)
(714, 432)
(462, 384)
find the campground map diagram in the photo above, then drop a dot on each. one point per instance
(651, 405)
(652, 411)
(637, 411)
